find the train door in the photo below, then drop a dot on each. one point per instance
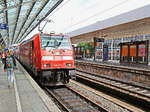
(36, 53)
(30, 54)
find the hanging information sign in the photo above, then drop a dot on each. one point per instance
(3, 26)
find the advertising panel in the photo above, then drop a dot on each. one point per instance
(133, 50)
(142, 50)
(124, 50)
(98, 53)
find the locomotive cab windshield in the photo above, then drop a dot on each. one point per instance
(55, 42)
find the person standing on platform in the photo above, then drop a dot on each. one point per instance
(3, 56)
(9, 66)
(0, 57)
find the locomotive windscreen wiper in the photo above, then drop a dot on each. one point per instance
(47, 45)
(60, 41)
(55, 44)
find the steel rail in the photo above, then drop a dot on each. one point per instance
(114, 79)
(116, 67)
(112, 85)
(87, 98)
(64, 106)
(77, 94)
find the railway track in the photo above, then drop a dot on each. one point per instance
(75, 98)
(123, 87)
(73, 101)
(136, 89)
(133, 74)
(122, 67)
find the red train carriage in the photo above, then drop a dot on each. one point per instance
(49, 57)
(16, 50)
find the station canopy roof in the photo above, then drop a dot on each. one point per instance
(19, 17)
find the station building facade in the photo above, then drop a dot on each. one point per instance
(130, 27)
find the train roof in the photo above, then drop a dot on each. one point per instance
(48, 34)
(133, 15)
(25, 41)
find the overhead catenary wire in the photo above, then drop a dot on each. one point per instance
(101, 12)
(57, 9)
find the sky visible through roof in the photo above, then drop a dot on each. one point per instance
(74, 14)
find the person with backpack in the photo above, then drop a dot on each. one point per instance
(9, 66)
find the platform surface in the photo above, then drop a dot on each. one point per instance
(117, 63)
(25, 96)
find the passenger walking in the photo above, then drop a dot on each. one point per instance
(9, 66)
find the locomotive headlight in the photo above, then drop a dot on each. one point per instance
(68, 64)
(46, 65)
(47, 58)
(67, 58)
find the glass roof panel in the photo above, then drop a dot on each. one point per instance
(12, 2)
(43, 13)
(22, 16)
(37, 7)
(32, 15)
(1, 8)
(1, 5)
(1, 18)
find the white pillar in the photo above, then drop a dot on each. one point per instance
(112, 49)
(144, 37)
(102, 50)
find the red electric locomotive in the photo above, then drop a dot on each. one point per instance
(49, 57)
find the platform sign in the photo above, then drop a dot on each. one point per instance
(96, 39)
(105, 52)
(3, 26)
(5, 49)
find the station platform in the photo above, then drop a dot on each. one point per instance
(136, 74)
(25, 96)
(117, 63)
